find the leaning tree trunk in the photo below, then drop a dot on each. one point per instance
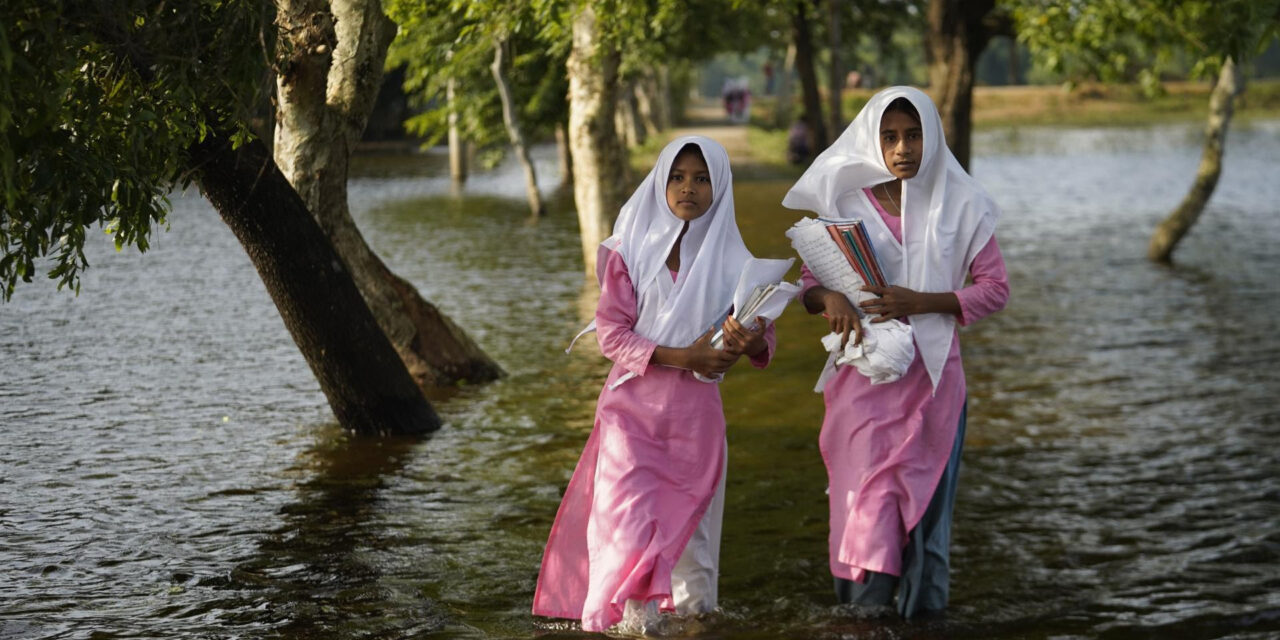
(359, 372)
(835, 72)
(1221, 103)
(512, 122)
(808, 77)
(956, 37)
(332, 65)
(599, 163)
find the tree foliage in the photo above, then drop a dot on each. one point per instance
(443, 40)
(1128, 40)
(99, 103)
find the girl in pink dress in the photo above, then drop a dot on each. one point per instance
(892, 450)
(638, 529)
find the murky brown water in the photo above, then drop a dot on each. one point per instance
(170, 468)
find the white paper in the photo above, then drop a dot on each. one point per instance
(761, 293)
(828, 263)
(758, 272)
(762, 275)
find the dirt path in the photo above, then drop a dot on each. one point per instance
(708, 119)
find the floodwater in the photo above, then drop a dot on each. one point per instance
(171, 470)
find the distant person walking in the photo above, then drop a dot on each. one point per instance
(800, 141)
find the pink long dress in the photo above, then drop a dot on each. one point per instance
(646, 476)
(885, 446)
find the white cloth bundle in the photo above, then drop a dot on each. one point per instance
(887, 348)
(883, 355)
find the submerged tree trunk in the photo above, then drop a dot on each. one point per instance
(1221, 105)
(512, 121)
(808, 77)
(599, 162)
(328, 79)
(957, 35)
(359, 372)
(835, 73)
(564, 155)
(457, 146)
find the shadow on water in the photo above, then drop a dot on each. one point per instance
(318, 574)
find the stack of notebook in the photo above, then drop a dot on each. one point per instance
(851, 237)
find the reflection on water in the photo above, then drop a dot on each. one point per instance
(171, 469)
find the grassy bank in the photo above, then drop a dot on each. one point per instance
(1097, 105)
(1086, 105)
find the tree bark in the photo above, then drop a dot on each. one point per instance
(328, 78)
(808, 77)
(1221, 105)
(630, 131)
(782, 112)
(599, 162)
(957, 35)
(663, 116)
(359, 372)
(512, 121)
(647, 101)
(835, 72)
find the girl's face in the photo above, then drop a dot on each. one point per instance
(902, 141)
(689, 186)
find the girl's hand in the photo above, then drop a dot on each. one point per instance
(842, 317)
(701, 357)
(899, 302)
(743, 341)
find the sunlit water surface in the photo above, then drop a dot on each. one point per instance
(170, 468)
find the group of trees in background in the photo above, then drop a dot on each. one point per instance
(105, 107)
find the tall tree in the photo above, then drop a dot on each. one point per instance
(105, 109)
(329, 71)
(483, 71)
(1117, 40)
(803, 37)
(835, 67)
(958, 32)
(599, 161)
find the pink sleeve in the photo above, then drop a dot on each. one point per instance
(616, 316)
(807, 281)
(761, 360)
(990, 289)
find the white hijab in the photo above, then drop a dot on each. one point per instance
(712, 253)
(947, 217)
